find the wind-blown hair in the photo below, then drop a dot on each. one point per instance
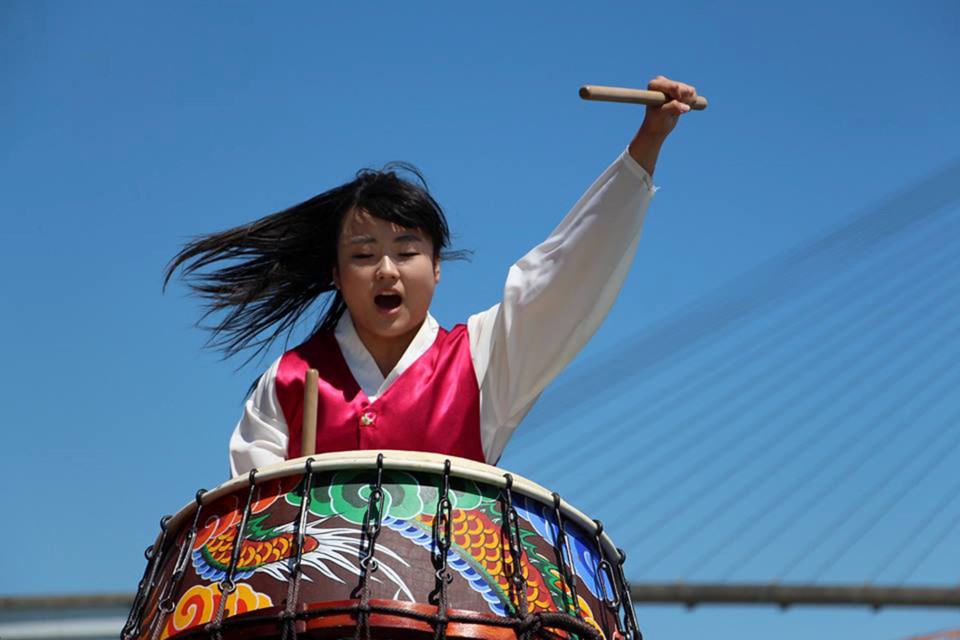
(259, 279)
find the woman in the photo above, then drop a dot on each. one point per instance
(390, 377)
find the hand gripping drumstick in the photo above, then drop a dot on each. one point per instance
(633, 96)
(309, 432)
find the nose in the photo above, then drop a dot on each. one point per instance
(386, 269)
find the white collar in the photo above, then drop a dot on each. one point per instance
(362, 365)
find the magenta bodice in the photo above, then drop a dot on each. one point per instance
(433, 406)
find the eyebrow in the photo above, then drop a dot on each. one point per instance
(404, 237)
(364, 239)
(408, 237)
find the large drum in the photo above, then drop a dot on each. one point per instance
(387, 545)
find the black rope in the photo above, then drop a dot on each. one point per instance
(227, 585)
(605, 575)
(166, 605)
(293, 586)
(511, 522)
(154, 556)
(632, 628)
(136, 610)
(369, 564)
(442, 535)
(565, 557)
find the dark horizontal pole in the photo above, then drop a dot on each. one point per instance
(661, 593)
(84, 601)
(789, 595)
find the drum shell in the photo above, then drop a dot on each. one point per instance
(335, 541)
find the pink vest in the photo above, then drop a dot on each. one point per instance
(433, 406)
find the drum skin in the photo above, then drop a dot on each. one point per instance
(334, 543)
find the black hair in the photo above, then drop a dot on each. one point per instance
(265, 276)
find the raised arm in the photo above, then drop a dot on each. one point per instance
(558, 294)
(658, 123)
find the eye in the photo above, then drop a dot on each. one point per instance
(362, 256)
(409, 254)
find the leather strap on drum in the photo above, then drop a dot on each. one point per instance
(442, 534)
(288, 616)
(154, 555)
(166, 606)
(512, 524)
(606, 576)
(368, 564)
(633, 629)
(227, 585)
(565, 556)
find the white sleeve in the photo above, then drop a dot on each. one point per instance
(261, 435)
(555, 298)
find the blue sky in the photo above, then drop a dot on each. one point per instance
(131, 127)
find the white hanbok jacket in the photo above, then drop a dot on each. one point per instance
(554, 299)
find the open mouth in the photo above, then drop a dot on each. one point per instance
(387, 301)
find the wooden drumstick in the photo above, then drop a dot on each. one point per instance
(633, 96)
(309, 442)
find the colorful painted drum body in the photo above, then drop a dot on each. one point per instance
(361, 538)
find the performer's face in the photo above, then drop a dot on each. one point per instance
(387, 274)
